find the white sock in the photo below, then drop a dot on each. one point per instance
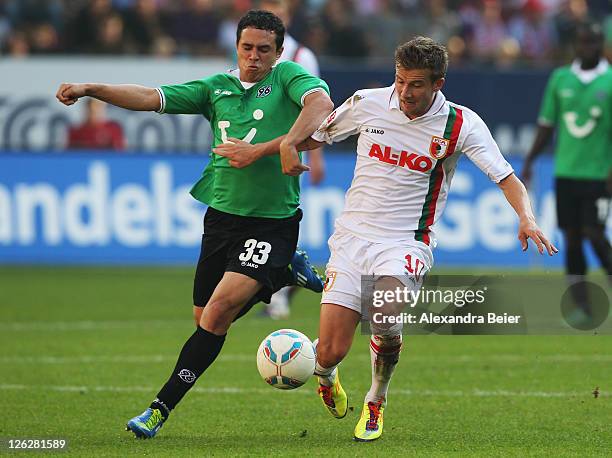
(327, 375)
(384, 355)
(279, 304)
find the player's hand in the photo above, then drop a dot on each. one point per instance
(69, 93)
(528, 229)
(290, 160)
(239, 153)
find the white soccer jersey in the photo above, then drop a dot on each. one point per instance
(294, 51)
(404, 167)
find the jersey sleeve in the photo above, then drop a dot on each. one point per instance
(549, 108)
(187, 98)
(298, 83)
(306, 58)
(340, 124)
(480, 147)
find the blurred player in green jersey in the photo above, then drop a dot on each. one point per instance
(578, 103)
(251, 225)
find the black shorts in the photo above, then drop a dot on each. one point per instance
(260, 248)
(581, 203)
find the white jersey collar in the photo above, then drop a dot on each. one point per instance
(586, 76)
(235, 72)
(438, 103)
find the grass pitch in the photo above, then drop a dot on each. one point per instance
(85, 349)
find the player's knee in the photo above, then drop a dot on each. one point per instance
(330, 353)
(218, 314)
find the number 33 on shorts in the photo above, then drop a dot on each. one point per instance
(255, 251)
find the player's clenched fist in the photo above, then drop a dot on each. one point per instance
(69, 93)
(290, 160)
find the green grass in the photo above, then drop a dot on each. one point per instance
(85, 349)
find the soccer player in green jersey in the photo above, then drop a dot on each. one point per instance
(578, 103)
(251, 225)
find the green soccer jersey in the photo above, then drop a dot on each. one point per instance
(582, 113)
(258, 114)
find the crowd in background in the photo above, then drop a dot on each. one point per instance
(489, 32)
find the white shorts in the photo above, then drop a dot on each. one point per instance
(351, 257)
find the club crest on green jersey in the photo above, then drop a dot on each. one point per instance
(264, 91)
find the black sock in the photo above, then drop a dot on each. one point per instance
(163, 408)
(200, 350)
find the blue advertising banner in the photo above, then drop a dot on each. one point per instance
(116, 209)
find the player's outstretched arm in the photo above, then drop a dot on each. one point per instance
(317, 106)
(129, 96)
(517, 197)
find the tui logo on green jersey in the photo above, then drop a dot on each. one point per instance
(584, 130)
(224, 125)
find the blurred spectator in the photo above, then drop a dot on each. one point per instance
(457, 50)
(110, 37)
(385, 29)
(344, 39)
(489, 33)
(96, 132)
(84, 27)
(17, 44)
(44, 39)
(573, 12)
(534, 34)
(301, 16)
(442, 23)
(34, 12)
(508, 53)
(316, 38)
(164, 47)
(497, 32)
(5, 26)
(144, 26)
(226, 39)
(196, 28)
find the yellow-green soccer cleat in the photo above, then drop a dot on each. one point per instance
(334, 398)
(370, 425)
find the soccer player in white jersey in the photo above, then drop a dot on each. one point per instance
(278, 308)
(410, 139)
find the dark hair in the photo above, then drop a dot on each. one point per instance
(262, 20)
(423, 53)
(590, 27)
